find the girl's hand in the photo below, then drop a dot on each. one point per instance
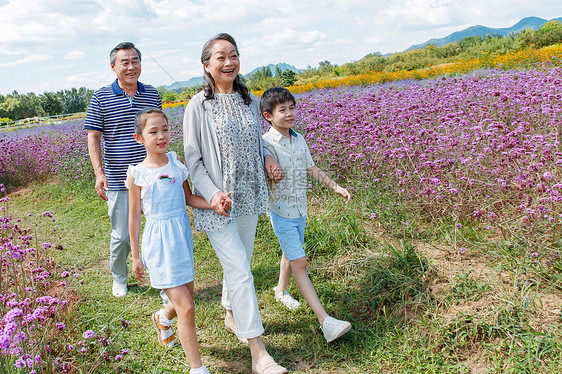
(138, 269)
(217, 203)
(227, 202)
(343, 193)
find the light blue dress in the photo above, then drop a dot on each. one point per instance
(167, 241)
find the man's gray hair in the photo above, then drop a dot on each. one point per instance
(122, 45)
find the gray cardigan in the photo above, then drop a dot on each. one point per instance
(202, 153)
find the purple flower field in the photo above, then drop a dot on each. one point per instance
(480, 151)
(37, 152)
(36, 299)
(481, 148)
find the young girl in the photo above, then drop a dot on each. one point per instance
(159, 185)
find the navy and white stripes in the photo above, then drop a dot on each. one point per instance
(113, 114)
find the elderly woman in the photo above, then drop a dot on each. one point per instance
(227, 163)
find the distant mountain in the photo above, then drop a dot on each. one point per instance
(526, 23)
(282, 66)
(179, 86)
(197, 81)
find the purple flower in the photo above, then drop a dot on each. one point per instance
(124, 323)
(89, 334)
(20, 363)
(373, 215)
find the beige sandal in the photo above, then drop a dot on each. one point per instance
(169, 341)
(267, 365)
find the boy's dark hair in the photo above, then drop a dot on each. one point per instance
(273, 97)
(142, 116)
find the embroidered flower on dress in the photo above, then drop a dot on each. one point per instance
(166, 176)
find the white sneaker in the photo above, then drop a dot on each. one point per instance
(119, 289)
(334, 328)
(200, 370)
(286, 299)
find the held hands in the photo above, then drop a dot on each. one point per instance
(138, 268)
(273, 169)
(343, 193)
(221, 203)
(101, 186)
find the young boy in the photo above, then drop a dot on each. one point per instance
(288, 204)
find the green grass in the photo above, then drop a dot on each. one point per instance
(412, 311)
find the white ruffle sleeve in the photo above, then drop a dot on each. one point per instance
(183, 169)
(138, 175)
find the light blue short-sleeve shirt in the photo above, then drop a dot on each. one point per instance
(288, 197)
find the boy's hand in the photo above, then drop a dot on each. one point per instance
(343, 193)
(138, 269)
(273, 169)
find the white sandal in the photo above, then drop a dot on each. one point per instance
(169, 341)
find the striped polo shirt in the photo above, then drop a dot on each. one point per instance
(112, 112)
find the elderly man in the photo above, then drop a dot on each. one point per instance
(111, 113)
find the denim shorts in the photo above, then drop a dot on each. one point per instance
(290, 233)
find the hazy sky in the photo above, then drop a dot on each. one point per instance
(48, 45)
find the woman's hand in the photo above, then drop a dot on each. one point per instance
(273, 169)
(220, 203)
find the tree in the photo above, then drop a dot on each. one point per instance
(161, 90)
(262, 79)
(75, 100)
(550, 33)
(288, 78)
(326, 68)
(23, 106)
(9, 107)
(169, 96)
(51, 103)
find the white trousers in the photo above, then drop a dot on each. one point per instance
(234, 245)
(119, 245)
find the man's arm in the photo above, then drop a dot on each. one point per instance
(94, 149)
